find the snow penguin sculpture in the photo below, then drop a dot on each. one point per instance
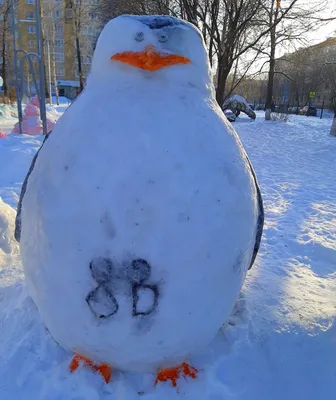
(141, 214)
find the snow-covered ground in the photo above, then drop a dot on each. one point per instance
(281, 344)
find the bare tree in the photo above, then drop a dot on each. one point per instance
(305, 71)
(75, 11)
(80, 13)
(231, 29)
(53, 60)
(108, 9)
(289, 24)
(5, 31)
(52, 17)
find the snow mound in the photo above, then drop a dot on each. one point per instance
(10, 263)
(34, 366)
(50, 108)
(5, 111)
(7, 221)
(238, 104)
(61, 100)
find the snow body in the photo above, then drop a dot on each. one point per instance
(144, 166)
(237, 103)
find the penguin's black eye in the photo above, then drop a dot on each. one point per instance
(163, 38)
(139, 36)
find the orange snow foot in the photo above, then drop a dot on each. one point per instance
(104, 369)
(173, 374)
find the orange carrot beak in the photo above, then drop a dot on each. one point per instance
(150, 59)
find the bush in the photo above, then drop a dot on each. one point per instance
(5, 111)
(12, 94)
(4, 100)
(11, 98)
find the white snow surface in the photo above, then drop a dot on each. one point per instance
(238, 98)
(280, 345)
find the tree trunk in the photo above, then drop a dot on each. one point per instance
(235, 72)
(224, 67)
(49, 70)
(54, 78)
(225, 60)
(333, 126)
(270, 83)
(221, 84)
(79, 61)
(43, 54)
(53, 62)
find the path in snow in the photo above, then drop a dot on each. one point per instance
(283, 345)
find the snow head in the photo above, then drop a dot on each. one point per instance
(150, 47)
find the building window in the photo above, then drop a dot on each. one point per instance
(58, 13)
(30, 1)
(56, 43)
(85, 72)
(1, 2)
(60, 71)
(59, 57)
(31, 28)
(326, 86)
(30, 15)
(59, 29)
(31, 44)
(59, 43)
(68, 13)
(86, 60)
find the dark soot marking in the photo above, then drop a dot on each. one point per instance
(101, 300)
(140, 273)
(101, 269)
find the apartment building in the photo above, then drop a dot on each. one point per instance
(305, 75)
(59, 18)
